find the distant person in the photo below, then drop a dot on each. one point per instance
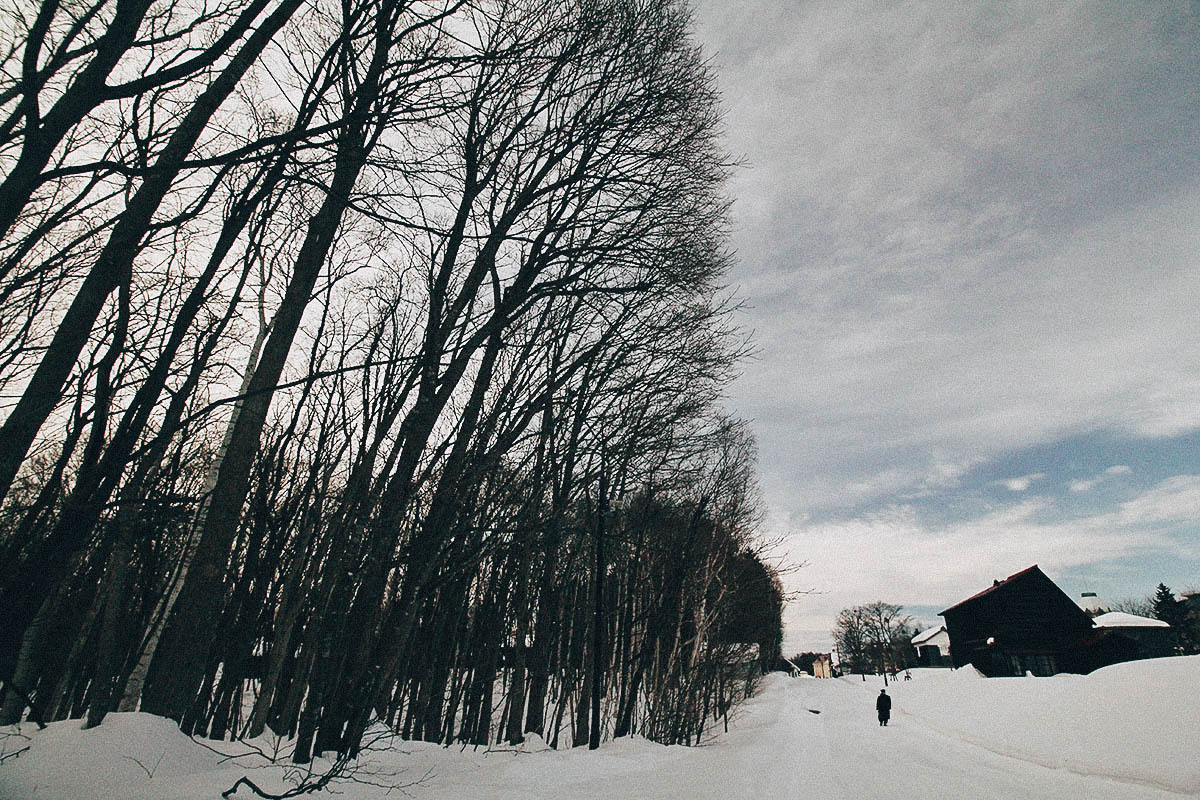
(883, 704)
(907, 675)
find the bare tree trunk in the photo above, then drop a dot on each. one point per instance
(18, 686)
(106, 666)
(598, 620)
(137, 678)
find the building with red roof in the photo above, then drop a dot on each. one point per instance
(1027, 624)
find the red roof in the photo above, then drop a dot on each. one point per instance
(992, 588)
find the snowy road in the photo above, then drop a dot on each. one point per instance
(911, 759)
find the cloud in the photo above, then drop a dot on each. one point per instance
(962, 231)
(1085, 485)
(895, 556)
(1176, 499)
(965, 231)
(1022, 483)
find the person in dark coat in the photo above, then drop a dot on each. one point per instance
(883, 704)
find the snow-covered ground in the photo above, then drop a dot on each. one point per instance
(1128, 732)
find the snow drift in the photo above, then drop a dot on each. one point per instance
(1138, 721)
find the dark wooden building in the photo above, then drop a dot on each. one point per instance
(1153, 638)
(1025, 623)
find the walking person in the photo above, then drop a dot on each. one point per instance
(883, 704)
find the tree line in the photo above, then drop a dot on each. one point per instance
(875, 637)
(360, 363)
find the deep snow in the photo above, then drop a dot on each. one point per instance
(1128, 732)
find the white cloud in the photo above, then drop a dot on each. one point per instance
(1176, 499)
(1083, 485)
(961, 231)
(985, 373)
(1022, 483)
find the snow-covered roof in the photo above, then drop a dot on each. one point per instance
(1119, 619)
(926, 635)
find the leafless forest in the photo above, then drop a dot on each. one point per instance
(360, 361)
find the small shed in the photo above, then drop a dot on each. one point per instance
(933, 647)
(1153, 637)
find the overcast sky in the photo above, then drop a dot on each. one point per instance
(968, 234)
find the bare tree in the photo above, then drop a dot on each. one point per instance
(399, 399)
(878, 635)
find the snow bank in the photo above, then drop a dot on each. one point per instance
(127, 752)
(136, 756)
(142, 757)
(1137, 722)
